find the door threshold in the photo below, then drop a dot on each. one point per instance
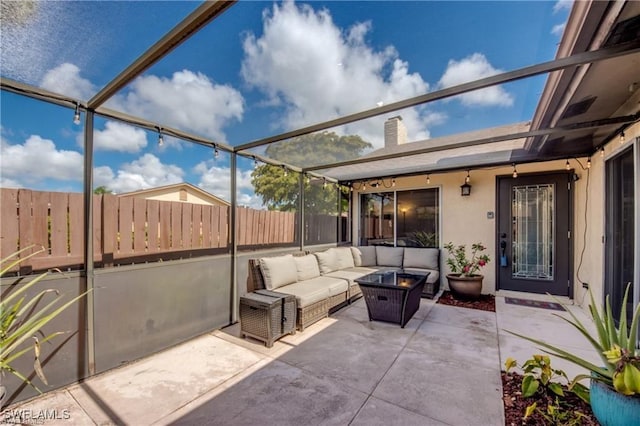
(535, 296)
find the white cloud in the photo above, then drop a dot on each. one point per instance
(66, 79)
(37, 160)
(217, 180)
(118, 136)
(9, 183)
(187, 101)
(558, 30)
(562, 5)
(474, 67)
(145, 172)
(305, 63)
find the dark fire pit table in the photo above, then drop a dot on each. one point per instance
(392, 296)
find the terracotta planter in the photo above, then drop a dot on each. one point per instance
(612, 408)
(466, 287)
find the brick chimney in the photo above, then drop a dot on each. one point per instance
(394, 132)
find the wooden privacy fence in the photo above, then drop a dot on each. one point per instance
(126, 228)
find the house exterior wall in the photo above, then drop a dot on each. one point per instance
(465, 220)
(590, 227)
(173, 194)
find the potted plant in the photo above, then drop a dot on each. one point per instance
(615, 384)
(464, 281)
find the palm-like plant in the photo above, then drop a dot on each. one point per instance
(616, 346)
(22, 318)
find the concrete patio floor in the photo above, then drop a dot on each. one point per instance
(443, 368)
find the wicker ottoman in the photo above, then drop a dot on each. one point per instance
(267, 315)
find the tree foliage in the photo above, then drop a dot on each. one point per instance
(102, 190)
(280, 192)
(318, 148)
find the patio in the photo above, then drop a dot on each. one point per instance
(155, 339)
(443, 368)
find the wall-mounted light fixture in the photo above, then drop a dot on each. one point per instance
(515, 171)
(428, 179)
(567, 165)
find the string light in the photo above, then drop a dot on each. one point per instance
(393, 182)
(324, 183)
(602, 152)
(255, 162)
(428, 179)
(307, 179)
(621, 137)
(364, 185)
(515, 171)
(567, 165)
(468, 178)
(160, 137)
(589, 163)
(285, 171)
(216, 153)
(76, 115)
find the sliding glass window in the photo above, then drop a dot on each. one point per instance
(403, 218)
(418, 217)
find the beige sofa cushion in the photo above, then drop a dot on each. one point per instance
(344, 257)
(363, 270)
(433, 274)
(364, 255)
(307, 292)
(307, 267)
(278, 271)
(389, 256)
(426, 258)
(327, 260)
(351, 274)
(335, 285)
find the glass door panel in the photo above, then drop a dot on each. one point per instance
(533, 232)
(377, 221)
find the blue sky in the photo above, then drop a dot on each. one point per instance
(260, 69)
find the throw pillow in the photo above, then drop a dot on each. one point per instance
(367, 255)
(344, 257)
(278, 271)
(425, 258)
(389, 256)
(327, 261)
(307, 267)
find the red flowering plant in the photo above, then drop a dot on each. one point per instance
(460, 264)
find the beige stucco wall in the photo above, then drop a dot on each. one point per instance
(592, 268)
(464, 220)
(172, 194)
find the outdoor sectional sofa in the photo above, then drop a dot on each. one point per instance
(323, 281)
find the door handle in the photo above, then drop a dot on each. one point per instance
(503, 251)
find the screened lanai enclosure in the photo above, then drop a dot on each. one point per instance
(152, 148)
